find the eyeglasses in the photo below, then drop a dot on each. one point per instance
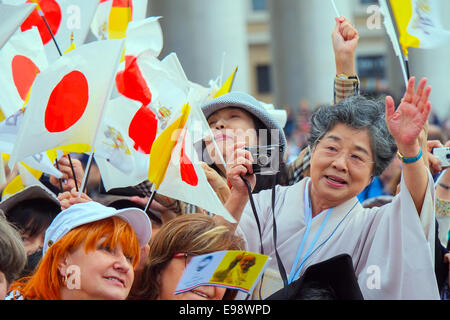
(332, 150)
(184, 255)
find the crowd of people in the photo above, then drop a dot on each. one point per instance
(359, 190)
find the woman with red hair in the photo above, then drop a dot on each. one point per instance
(90, 252)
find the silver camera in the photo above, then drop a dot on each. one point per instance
(443, 154)
(266, 159)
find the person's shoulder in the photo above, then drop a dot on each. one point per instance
(266, 194)
(283, 195)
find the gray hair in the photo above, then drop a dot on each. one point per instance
(358, 113)
(12, 251)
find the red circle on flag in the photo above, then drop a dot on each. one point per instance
(52, 13)
(67, 102)
(142, 129)
(131, 83)
(24, 71)
(187, 169)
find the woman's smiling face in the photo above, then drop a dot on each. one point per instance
(341, 165)
(104, 273)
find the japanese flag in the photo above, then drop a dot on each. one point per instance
(11, 17)
(67, 100)
(21, 59)
(143, 37)
(65, 18)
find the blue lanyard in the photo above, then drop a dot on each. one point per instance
(308, 215)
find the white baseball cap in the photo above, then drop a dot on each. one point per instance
(83, 213)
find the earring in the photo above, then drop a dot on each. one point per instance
(64, 280)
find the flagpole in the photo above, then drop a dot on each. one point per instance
(152, 196)
(407, 67)
(222, 67)
(390, 30)
(60, 182)
(85, 177)
(51, 33)
(41, 13)
(88, 166)
(335, 9)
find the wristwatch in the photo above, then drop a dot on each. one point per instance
(345, 77)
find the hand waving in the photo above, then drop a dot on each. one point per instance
(406, 123)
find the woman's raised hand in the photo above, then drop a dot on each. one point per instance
(406, 123)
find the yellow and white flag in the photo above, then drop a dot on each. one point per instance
(185, 178)
(112, 17)
(163, 145)
(121, 139)
(227, 85)
(419, 24)
(390, 30)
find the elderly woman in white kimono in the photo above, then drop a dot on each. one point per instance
(320, 217)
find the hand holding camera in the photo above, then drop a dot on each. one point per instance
(443, 155)
(240, 166)
(266, 159)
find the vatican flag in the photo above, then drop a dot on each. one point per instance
(419, 24)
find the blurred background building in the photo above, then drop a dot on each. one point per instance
(284, 53)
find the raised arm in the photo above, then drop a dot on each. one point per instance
(345, 41)
(346, 84)
(405, 125)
